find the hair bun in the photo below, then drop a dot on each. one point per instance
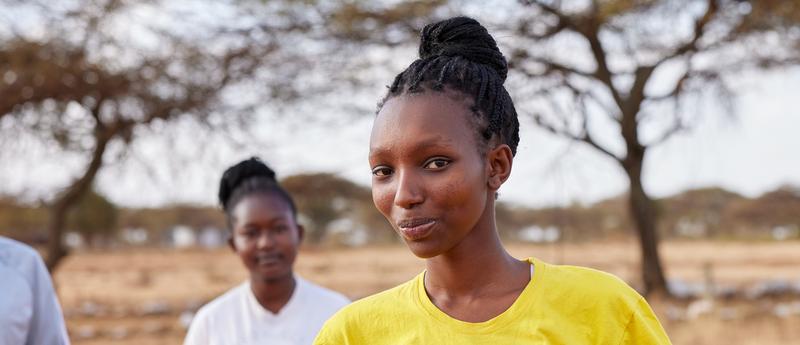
(465, 37)
(235, 175)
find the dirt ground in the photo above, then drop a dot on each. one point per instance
(146, 296)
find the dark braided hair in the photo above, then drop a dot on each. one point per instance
(249, 177)
(459, 54)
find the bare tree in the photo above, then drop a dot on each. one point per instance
(634, 65)
(85, 88)
(102, 72)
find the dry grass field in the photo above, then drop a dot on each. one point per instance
(146, 296)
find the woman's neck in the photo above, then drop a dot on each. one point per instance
(273, 294)
(477, 266)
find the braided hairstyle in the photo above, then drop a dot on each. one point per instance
(249, 177)
(460, 55)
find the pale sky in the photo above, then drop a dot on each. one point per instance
(752, 154)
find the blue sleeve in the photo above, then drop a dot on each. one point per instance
(47, 322)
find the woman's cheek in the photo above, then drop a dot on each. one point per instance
(458, 190)
(382, 198)
(465, 197)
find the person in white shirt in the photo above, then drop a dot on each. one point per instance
(275, 306)
(29, 309)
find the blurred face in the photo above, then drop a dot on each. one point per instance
(429, 179)
(265, 236)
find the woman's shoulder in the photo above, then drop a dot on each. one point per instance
(231, 299)
(587, 297)
(371, 315)
(387, 302)
(585, 283)
(319, 294)
(21, 258)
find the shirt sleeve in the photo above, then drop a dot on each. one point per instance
(47, 322)
(330, 334)
(321, 339)
(644, 328)
(198, 330)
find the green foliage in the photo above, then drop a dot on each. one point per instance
(323, 198)
(724, 215)
(23, 222)
(157, 221)
(772, 14)
(362, 21)
(94, 216)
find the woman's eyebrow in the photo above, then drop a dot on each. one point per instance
(271, 220)
(438, 141)
(433, 142)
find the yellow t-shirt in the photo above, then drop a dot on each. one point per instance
(561, 305)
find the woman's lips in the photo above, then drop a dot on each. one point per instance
(268, 259)
(416, 229)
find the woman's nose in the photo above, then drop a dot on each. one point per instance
(408, 192)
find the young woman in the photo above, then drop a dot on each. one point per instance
(442, 144)
(274, 306)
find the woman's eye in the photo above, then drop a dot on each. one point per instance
(381, 171)
(437, 163)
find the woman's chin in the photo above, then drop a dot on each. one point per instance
(271, 274)
(423, 250)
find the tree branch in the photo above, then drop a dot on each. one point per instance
(584, 136)
(679, 85)
(676, 128)
(699, 29)
(602, 73)
(636, 96)
(60, 208)
(557, 67)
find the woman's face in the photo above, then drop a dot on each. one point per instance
(265, 236)
(429, 178)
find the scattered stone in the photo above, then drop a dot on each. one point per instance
(85, 332)
(771, 288)
(91, 309)
(155, 308)
(785, 310)
(684, 290)
(676, 313)
(699, 308)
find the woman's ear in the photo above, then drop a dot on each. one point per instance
(231, 244)
(500, 160)
(301, 232)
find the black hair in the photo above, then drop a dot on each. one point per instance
(461, 55)
(249, 177)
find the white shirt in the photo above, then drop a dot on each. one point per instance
(236, 317)
(29, 310)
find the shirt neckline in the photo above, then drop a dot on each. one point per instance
(290, 305)
(526, 301)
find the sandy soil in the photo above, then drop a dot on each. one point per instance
(145, 296)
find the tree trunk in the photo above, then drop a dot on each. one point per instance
(69, 198)
(645, 217)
